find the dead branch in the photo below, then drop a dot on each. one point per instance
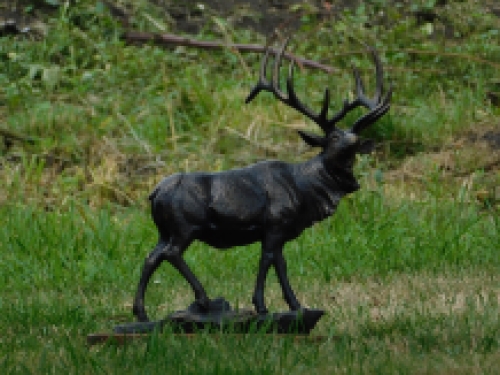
(138, 37)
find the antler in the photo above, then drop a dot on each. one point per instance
(378, 106)
(290, 98)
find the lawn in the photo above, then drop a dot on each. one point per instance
(407, 269)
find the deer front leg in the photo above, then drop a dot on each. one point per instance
(266, 260)
(288, 293)
(272, 254)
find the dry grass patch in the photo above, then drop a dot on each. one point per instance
(405, 294)
(351, 304)
(470, 164)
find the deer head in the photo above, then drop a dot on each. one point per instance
(335, 142)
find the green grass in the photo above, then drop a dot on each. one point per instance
(407, 269)
(65, 275)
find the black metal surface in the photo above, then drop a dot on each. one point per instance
(220, 317)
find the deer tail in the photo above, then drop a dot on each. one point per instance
(154, 193)
(166, 185)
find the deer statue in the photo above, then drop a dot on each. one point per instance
(270, 202)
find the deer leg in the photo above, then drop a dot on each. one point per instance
(151, 263)
(266, 260)
(272, 244)
(180, 264)
(288, 293)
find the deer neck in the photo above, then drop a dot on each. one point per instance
(341, 171)
(323, 185)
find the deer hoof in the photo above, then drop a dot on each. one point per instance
(260, 307)
(140, 313)
(203, 303)
(261, 310)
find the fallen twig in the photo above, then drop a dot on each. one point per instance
(138, 37)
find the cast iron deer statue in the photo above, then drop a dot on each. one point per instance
(270, 202)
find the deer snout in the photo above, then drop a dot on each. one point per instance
(351, 138)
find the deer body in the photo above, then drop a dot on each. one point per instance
(234, 208)
(271, 202)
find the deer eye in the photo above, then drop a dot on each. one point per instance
(335, 137)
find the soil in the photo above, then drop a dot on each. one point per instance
(490, 137)
(258, 15)
(24, 16)
(193, 16)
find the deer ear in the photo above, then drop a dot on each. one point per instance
(312, 139)
(366, 146)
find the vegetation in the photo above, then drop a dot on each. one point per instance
(407, 269)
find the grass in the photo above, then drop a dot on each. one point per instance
(424, 286)
(407, 269)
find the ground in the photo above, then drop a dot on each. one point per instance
(193, 16)
(407, 268)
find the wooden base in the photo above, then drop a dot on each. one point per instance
(124, 338)
(220, 321)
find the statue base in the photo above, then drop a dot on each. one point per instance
(220, 317)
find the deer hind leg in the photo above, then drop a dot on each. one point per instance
(172, 252)
(174, 257)
(151, 263)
